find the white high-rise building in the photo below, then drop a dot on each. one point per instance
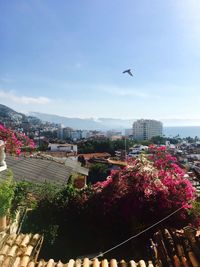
(146, 129)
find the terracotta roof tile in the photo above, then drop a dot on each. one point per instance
(19, 250)
(7, 261)
(24, 261)
(150, 264)
(16, 262)
(95, 155)
(19, 239)
(86, 262)
(29, 250)
(12, 251)
(142, 263)
(25, 240)
(50, 263)
(113, 263)
(123, 263)
(31, 264)
(41, 263)
(169, 247)
(92, 263)
(60, 264)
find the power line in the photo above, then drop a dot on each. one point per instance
(101, 254)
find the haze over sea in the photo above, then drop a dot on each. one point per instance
(182, 131)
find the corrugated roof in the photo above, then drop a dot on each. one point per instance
(37, 170)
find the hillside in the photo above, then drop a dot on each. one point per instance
(9, 116)
(172, 127)
(75, 123)
(85, 124)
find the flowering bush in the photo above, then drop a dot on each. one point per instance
(131, 199)
(15, 141)
(149, 187)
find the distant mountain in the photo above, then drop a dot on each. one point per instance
(10, 117)
(86, 124)
(116, 123)
(4, 110)
(75, 123)
(107, 123)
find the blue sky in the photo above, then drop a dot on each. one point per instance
(67, 57)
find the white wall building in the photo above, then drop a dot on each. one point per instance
(63, 147)
(146, 129)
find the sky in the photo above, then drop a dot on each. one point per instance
(67, 58)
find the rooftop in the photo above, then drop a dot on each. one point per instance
(167, 248)
(95, 155)
(19, 250)
(37, 170)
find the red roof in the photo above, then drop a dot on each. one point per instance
(95, 155)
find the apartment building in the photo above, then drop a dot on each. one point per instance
(146, 129)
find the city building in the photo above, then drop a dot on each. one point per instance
(128, 132)
(111, 133)
(146, 129)
(63, 147)
(71, 134)
(64, 133)
(76, 135)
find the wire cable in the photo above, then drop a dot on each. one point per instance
(101, 254)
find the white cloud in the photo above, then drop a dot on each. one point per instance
(9, 95)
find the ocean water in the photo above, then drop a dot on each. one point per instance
(183, 131)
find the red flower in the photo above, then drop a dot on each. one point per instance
(154, 183)
(15, 141)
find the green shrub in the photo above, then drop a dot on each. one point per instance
(6, 194)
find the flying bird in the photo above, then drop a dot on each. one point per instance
(128, 71)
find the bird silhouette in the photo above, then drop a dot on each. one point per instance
(128, 71)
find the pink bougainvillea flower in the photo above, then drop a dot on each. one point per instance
(15, 141)
(151, 184)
